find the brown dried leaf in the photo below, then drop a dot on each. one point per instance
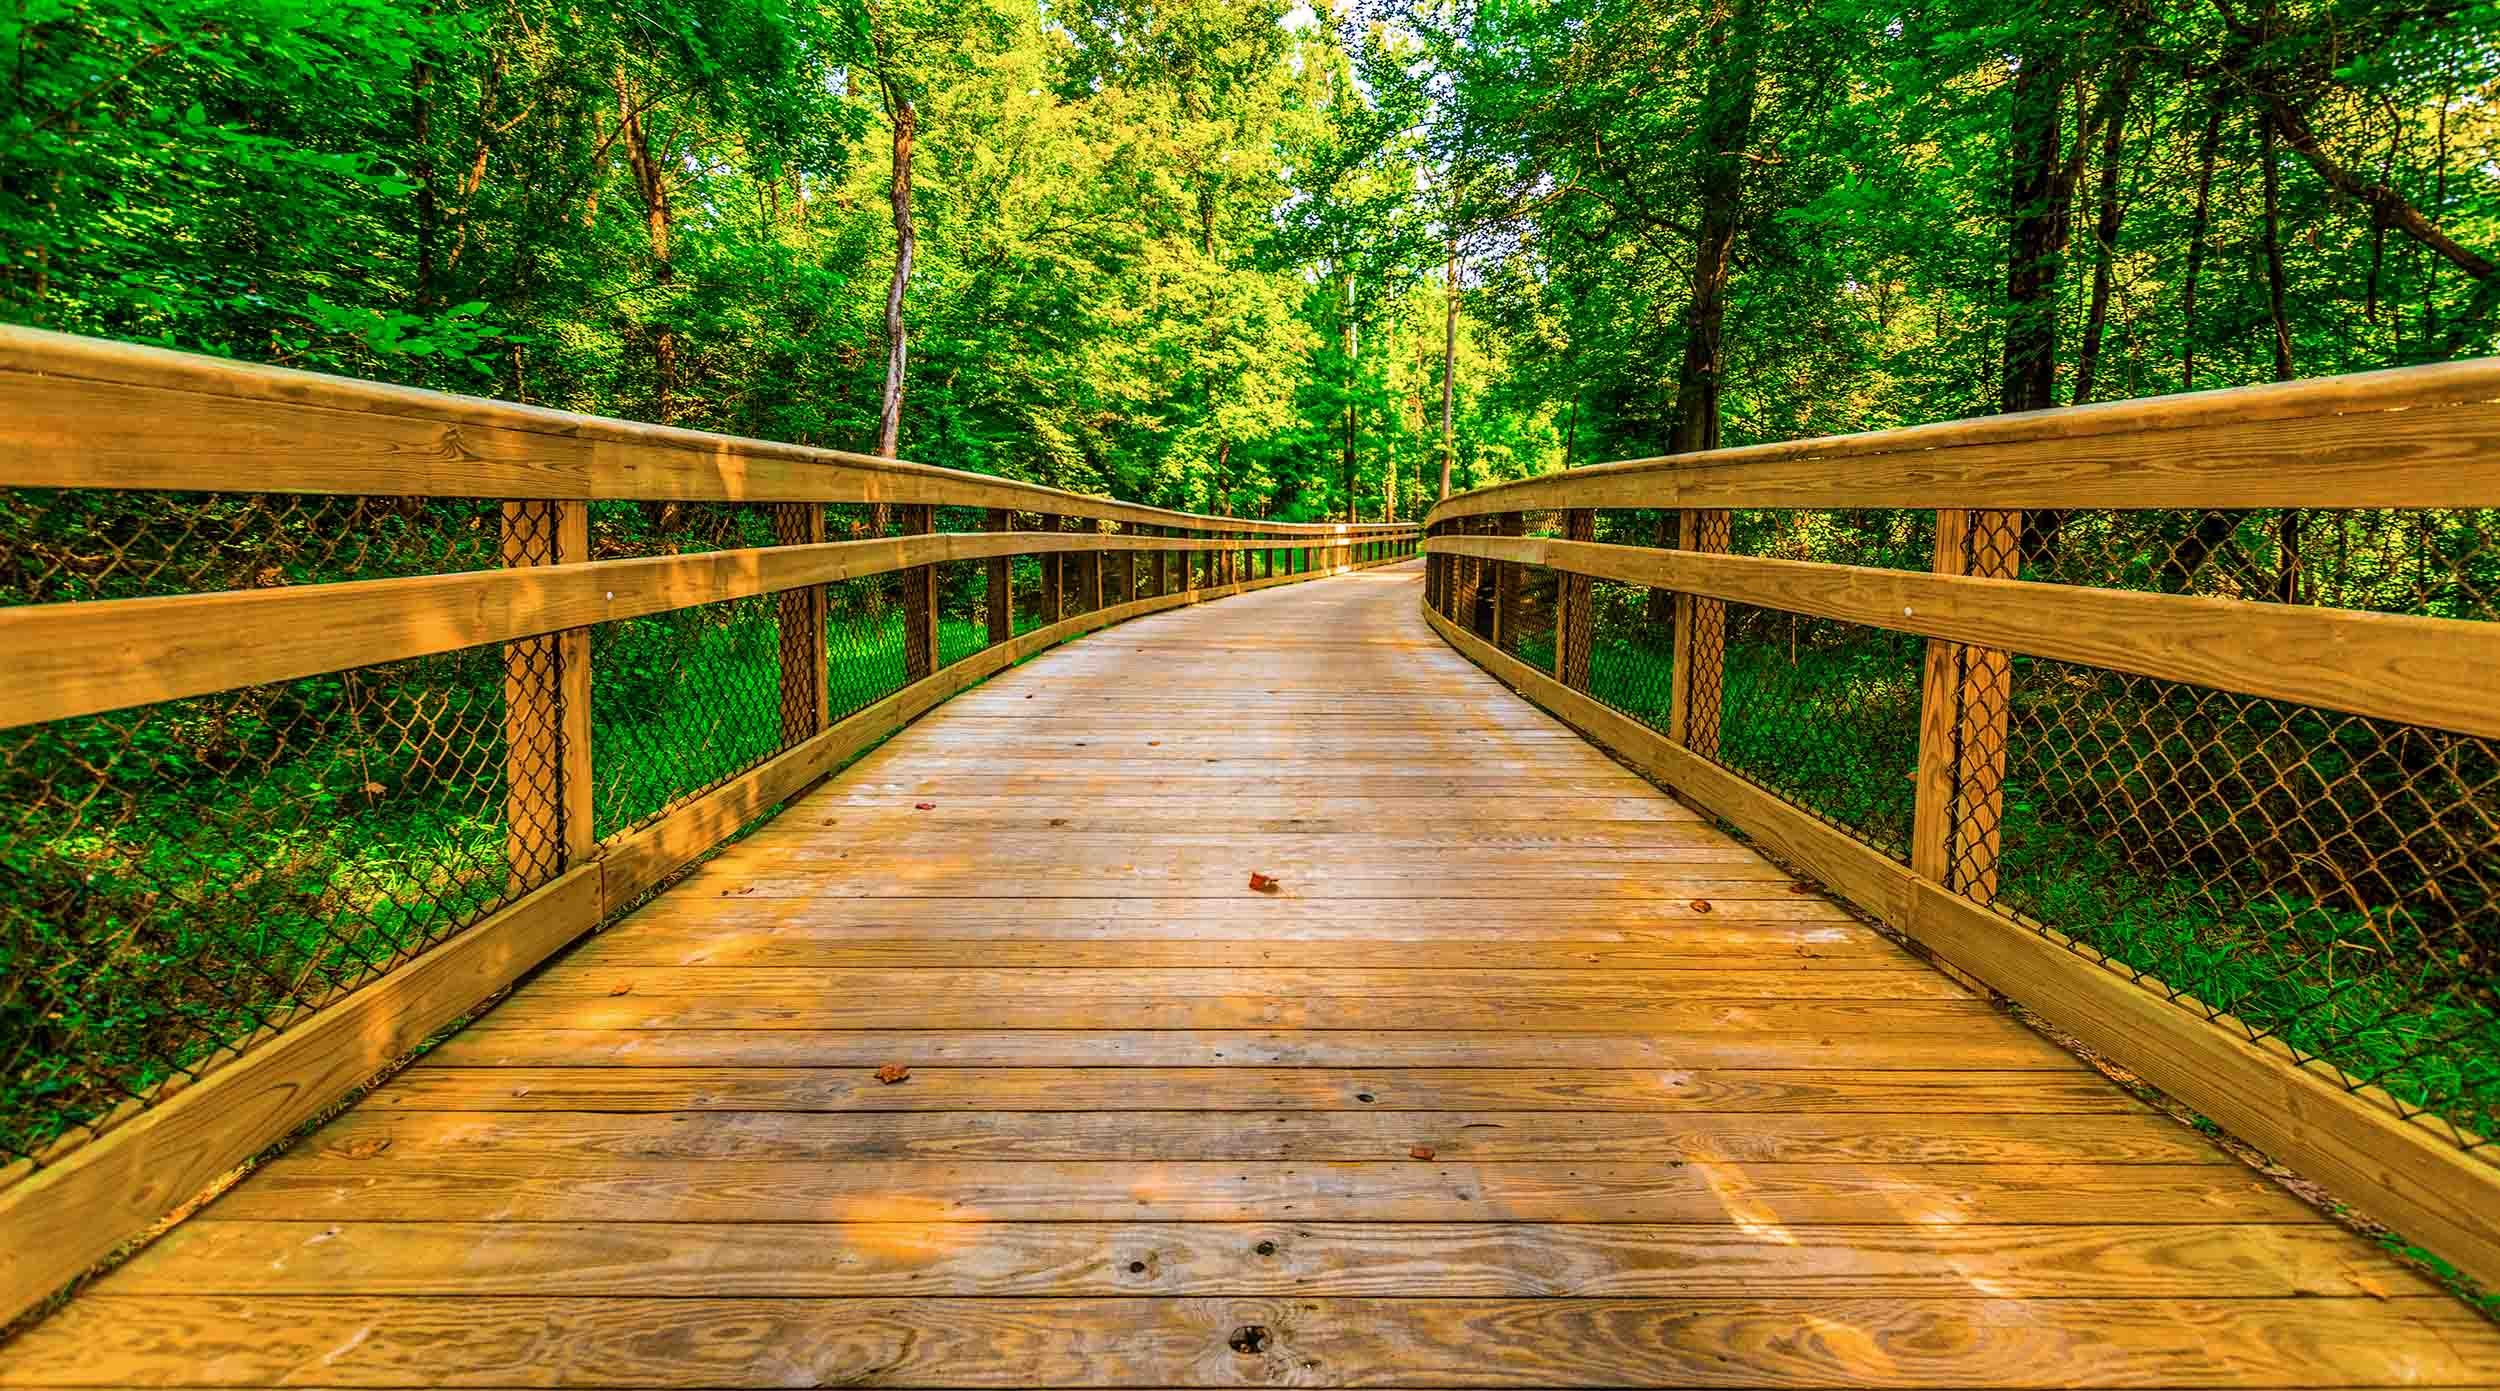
(924, 806)
(1420, 1152)
(1701, 905)
(1260, 883)
(625, 989)
(892, 1073)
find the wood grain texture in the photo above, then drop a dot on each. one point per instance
(1802, 1341)
(87, 413)
(1487, 1094)
(2413, 670)
(2407, 437)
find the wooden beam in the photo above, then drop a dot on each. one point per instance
(63, 660)
(2355, 1139)
(64, 1217)
(2413, 670)
(2407, 437)
(86, 413)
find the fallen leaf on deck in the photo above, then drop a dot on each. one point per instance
(1260, 883)
(1420, 1152)
(627, 989)
(924, 806)
(1701, 905)
(1801, 888)
(2371, 1287)
(366, 1148)
(892, 1073)
(1058, 821)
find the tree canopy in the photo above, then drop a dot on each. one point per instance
(1222, 255)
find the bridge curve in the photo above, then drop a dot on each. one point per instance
(1522, 1074)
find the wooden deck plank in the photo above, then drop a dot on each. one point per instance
(1515, 1259)
(433, 1087)
(471, 1188)
(366, 1340)
(2000, 1045)
(1689, 1123)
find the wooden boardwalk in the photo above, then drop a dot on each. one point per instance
(1526, 1076)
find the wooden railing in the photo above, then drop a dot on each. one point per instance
(125, 468)
(2302, 795)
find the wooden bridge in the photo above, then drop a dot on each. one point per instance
(1258, 991)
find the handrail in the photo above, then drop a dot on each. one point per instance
(81, 412)
(2405, 437)
(306, 701)
(2091, 720)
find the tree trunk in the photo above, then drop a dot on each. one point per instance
(906, 119)
(2037, 238)
(2207, 148)
(2104, 237)
(1449, 366)
(652, 182)
(1346, 326)
(1727, 114)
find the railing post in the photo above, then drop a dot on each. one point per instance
(1052, 605)
(1091, 571)
(1573, 611)
(1000, 588)
(546, 693)
(920, 609)
(1965, 702)
(1506, 584)
(800, 616)
(1700, 642)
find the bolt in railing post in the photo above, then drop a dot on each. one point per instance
(1000, 582)
(1573, 611)
(1965, 701)
(1700, 642)
(920, 606)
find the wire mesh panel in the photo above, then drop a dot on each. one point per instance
(2329, 880)
(1631, 657)
(59, 545)
(1827, 715)
(963, 609)
(177, 877)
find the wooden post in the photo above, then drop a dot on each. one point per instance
(1573, 611)
(1965, 702)
(920, 612)
(1089, 569)
(1053, 606)
(800, 617)
(1700, 643)
(1000, 586)
(1506, 576)
(546, 694)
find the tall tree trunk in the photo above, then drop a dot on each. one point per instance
(2104, 236)
(2287, 523)
(652, 182)
(429, 214)
(1727, 115)
(1346, 327)
(906, 119)
(2037, 238)
(1449, 365)
(2206, 149)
